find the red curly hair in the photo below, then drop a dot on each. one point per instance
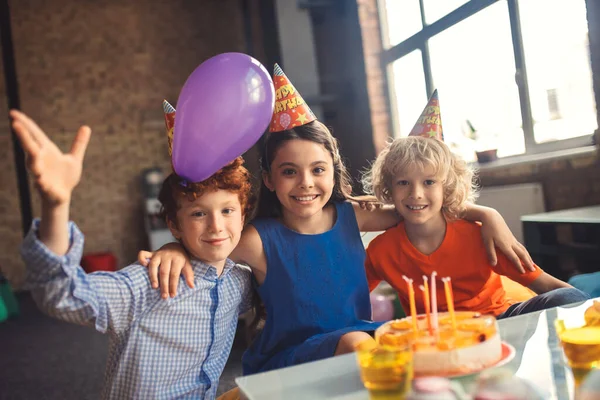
(233, 177)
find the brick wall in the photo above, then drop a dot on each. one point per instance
(108, 64)
(376, 78)
(567, 183)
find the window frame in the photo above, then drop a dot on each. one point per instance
(419, 41)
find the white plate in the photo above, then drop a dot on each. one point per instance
(508, 353)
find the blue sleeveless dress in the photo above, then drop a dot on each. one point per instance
(315, 291)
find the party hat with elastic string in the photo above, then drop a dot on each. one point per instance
(290, 109)
(429, 124)
(169, 122)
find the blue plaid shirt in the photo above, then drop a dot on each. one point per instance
(158, 349)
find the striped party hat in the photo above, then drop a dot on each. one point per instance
(169, 122)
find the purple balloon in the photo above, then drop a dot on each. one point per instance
(224, 107)
(382, 308)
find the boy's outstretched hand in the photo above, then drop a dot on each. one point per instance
(56, 174)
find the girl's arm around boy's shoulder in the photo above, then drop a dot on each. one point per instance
(250, 251)
(378, 219)
(174, 261)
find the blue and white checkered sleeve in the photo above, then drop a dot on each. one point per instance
(62, 289)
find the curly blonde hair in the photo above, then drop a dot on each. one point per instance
(415, 151)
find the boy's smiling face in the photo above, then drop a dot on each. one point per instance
(418, 195)
(210, 226)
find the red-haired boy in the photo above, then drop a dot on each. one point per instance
(157, 349)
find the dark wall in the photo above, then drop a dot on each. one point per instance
(341, 67)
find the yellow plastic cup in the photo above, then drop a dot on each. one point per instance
(581, 346)
(386, 371)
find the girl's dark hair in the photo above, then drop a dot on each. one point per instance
(268, 203)
(259, 318)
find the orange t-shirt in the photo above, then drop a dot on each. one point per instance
(461, 256)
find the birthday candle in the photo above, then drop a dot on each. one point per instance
(450, 301)
(434, 312)
(411, 299)
(425, 289)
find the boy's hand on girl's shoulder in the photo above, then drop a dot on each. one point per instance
(56, 174)
(173, 262)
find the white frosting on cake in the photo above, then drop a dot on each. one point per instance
(475, 345)
(457, 361)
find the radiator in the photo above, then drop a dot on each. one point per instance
(513, 201)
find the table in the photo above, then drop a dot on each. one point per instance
(538, 359)
(557, 238)
(583, 215)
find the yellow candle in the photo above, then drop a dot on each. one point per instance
(411, 299)
(450, 301)
(426, 304)
(434, 310)
(427, 314)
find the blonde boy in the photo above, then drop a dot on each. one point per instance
(429, 186)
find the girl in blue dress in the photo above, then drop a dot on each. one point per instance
(304, 246)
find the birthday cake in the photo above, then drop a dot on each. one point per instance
(468, 345)
(592, 314)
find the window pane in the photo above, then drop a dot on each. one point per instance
(473, 67)
(558, 68)
(410, 95)
(436, 9)
(402, 20)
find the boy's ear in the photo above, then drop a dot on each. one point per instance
(266, 177)
(173, 228)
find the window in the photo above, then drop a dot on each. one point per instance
(511, 75)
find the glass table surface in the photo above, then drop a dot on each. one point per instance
(539, 359)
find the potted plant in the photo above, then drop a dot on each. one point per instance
(485, 144)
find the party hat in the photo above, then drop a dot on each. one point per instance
(429, 124)
(169, 122)
(290, 109)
